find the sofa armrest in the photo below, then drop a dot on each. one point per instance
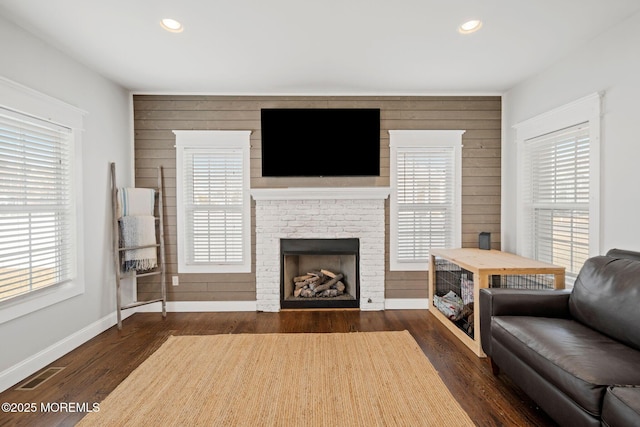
(519, 302)
(525, 302)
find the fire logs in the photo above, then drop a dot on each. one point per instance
(319, 284)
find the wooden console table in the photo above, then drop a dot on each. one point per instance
(485, 264)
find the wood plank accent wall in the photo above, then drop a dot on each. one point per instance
(156, 116)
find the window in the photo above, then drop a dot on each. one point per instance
(39, 232)
(558, 185)
(425, 195)
(37, 210)
(213, 200)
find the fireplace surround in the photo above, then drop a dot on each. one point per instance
(320, 213)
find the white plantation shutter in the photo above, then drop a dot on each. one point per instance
(36, 204)
(214, 206)
(213, 200)
(557, 189)
(425, 200)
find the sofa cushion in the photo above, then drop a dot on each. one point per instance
(606, 297)
(623, 253)
(577, 360)
(621, 407)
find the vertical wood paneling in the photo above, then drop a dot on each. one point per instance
(155, 117)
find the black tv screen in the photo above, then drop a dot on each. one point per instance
(320, 142)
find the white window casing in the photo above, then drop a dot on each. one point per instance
(559, 185)
(213, 200)
(41, 229)
(425, 204)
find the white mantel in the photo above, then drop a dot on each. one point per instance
(321, 193)
(320, 212)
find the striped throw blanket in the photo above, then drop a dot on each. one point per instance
(135, 201)
(138, 230)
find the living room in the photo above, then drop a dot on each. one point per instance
(118, 118)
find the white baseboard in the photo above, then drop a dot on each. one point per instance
(17, 373)
(406, 304)
(199, 306)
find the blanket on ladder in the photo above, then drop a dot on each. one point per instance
(135, 201)
(136, 231)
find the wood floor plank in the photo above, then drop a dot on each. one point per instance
(95, 368)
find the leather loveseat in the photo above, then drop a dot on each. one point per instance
(575, 353)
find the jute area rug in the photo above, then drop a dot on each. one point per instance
(338, 379)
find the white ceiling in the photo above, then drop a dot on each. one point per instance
(317, 46)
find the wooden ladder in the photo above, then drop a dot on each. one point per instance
(118, 251)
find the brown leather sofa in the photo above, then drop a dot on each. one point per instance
(575, 353)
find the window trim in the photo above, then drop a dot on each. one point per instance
(583, 110)
(426, 139)
(24, 100)
(203, 140)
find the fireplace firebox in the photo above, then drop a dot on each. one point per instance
(319, 273)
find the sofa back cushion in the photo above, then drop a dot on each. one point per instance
(606, 297)
(622, 253)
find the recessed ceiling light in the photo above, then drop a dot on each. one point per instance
(171, 25)
(470, 26)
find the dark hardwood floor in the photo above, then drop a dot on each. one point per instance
(94, 369)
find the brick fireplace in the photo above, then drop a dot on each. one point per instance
(320, 213)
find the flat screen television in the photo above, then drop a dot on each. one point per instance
(320, 142)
